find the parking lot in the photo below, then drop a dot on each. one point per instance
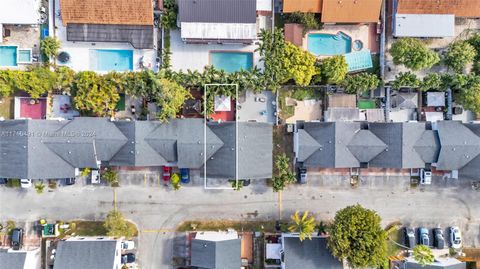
(157, 209)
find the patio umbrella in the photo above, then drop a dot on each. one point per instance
(223, 103)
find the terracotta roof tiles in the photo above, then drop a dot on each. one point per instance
(351, 11)
(314, 6)
(461, 8)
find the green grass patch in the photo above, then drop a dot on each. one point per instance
(366, 104)
(210, 225)
(89, 228)
(394, 235)
(301, 94)
(6, 107)
(13, 183)
(285, 111)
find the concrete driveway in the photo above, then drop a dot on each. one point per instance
(157, 209)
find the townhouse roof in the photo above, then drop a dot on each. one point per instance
(308, 254)
(442, 263)
(224, 254)
(81, 254)
(460, 8)
(351, 11)
(19, 12)
(119, 12)
(424, 25)
(313, 6)
(13, 260)
(217, 11)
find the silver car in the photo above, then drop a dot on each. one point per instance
(455, 237)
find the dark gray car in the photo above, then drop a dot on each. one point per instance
(409, 237)
(438, 239)
(17, 238)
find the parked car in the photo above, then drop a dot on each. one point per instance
(3, 180)
(438, 239)
(409, 237)
(184, 175)
(25, 183)
(423, 238)
(17, 238)
(128, 245)
(95, 176)
(425, 177)
(302, 175)
(167, 173)
(455, 237)
(128, 258)
(70, 181)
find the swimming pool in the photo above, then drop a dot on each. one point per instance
(111, 60)
(327, 44)
(231, 61)
(8, 56)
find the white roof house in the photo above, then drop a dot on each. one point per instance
(424, 25)
(19, 11)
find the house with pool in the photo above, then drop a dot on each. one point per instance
(219, 33)
(106, 35)
(350, 28)
(20, 25)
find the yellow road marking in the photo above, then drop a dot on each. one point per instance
(145, 179)
(280, 205)
(159, 231)
(115, 198)
(158, 179)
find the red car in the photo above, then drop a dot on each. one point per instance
(167, 173)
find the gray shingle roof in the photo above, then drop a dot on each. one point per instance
(413, 265)
(12, 260)
(218, 11)
(96, 254)
(139, 36)
(365, 146)
(309, 254)
(428, 146)
(216, 254)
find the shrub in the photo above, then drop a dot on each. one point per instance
(407, 79)
(413, 53)
(49, 46)
(459, 54)
(308, 20)
(333, 69)
(357, 84)
(117, 226)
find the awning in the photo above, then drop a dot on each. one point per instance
(359, 60)
(222, 31)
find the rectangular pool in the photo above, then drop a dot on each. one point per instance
(328, 44)
(111, 60)
(8, 56)
(231, 61)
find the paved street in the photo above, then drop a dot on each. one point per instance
(157, 209)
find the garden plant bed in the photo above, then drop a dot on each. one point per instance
(212, 225)
(89, 228)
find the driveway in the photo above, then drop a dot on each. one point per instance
(157, 209)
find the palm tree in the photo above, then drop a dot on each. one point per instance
(423, 255)
(304, 225)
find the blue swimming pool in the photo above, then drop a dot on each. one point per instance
(327, 44)
(8, 56)
(111, 60)
(231, 61)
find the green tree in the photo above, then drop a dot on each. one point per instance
(357, 236)
(413, 53)
(423, 255)
(459, 54)
(169, 16)
(407, 79)
(469, 97)
(271, 50)
(298, 64)
(170, 97)
(49, 46)
(308, 20)
(237, 185)
(432, 81)
(360, 83)
(110, 176)
(284, 174)
(303, 225)
(64, 79)
(117, 226)
(333, 69)
(39, 187)
(175, 180)
(93, 94)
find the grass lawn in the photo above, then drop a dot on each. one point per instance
(210, 225)
(89, 228)
(6, 108)
(392, 248)
(285, 111)
(366, 104)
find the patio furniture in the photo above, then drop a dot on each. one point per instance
(64, 57)
(261, 99)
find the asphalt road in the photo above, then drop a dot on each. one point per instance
(157, 209)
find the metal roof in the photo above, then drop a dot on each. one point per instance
(308, 254)
(216, 254)
(424, 25)
(13, 260)
(139, 36)
(92, 254)
(217, 11)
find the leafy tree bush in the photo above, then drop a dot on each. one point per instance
(64, 79)
(13, 183)
(271, 49)
(333, 69)
(432, 81)
(117, 226)
(93, 94)
(356, 235)
(110, 176)
(284, 174)
(169, 17)
(49, 46)
(237, 185)
(469, 97)
(423, 255)
(85, 172)
(10, 226)
(405, 79)
(304, 93)
(304, 225)
(39, 187)
(308, 20)
(459, 54)
(413, 53)
(298, 64)
(360, 83)
(175, 180)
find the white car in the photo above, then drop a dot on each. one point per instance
(128, 245)
(425, 177)
(455, 237)
(25, 183)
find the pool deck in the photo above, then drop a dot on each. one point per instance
(197, 56)
(24, 37)
(80, 51)
(364, 32)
